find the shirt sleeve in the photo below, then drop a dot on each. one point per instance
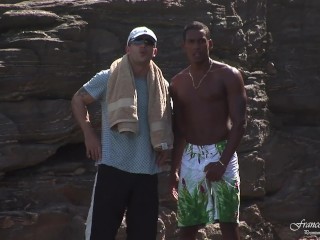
(97, 85)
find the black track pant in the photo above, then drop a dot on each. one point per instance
(118, 192)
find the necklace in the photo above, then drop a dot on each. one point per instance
(201, 80)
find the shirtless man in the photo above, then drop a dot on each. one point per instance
(209, 102)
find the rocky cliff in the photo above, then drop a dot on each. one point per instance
(49, 48)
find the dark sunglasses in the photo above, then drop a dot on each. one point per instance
(141, 41)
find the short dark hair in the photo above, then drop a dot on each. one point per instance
(196, 25)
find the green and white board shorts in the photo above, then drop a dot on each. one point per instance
(200, 201)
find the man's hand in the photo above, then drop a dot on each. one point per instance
(173, 184)
(93, 146)
(214, 171)
(163, 157)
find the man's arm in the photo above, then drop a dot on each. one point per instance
(237, 101)
(79, 103)
(178, 147)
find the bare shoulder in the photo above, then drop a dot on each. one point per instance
(223, 67)
(226, 71)
(179, 76)
(177, 80)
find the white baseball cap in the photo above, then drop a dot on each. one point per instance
(138, 31)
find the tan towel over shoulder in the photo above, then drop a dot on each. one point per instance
(122, 103)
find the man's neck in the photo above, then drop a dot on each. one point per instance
(201, 65)
(140, 70)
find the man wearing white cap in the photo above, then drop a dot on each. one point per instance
(136, 140)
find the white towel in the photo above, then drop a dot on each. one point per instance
(122, 102)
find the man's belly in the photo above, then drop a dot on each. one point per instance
(205, 136)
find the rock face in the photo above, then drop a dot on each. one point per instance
(292, 154)
(49, 48)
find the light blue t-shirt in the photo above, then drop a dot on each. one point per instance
(126, 151)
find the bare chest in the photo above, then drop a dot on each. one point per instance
(210, 91)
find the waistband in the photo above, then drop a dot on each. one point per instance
(205, 149)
